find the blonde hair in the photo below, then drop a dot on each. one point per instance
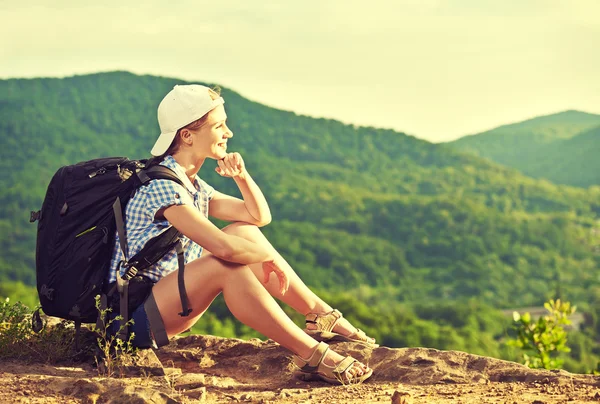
(214, 93)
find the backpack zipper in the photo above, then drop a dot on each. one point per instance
(102, 170)
(97, 172)
(85, 232)
(91, 229)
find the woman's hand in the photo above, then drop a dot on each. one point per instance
(284, 282)
(232, 165)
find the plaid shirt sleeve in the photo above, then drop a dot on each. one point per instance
(163, 193)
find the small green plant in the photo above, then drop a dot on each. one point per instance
(15, 328)
(19, 341)
(116, 353)
(544, 339)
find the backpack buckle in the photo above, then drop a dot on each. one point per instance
(35, 216)
(130, 270)
(130, 273)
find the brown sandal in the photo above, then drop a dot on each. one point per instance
(324, 331)
(315, 369)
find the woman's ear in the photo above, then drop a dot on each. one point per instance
(186, 137)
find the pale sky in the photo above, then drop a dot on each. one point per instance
(435, 69)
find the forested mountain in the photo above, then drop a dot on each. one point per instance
(356, 210)
(352, 206)
(562, 148)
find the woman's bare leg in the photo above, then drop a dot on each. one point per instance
(247, 300)
(298, 296)
(245, 297)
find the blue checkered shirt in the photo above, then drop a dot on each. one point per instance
(140, 225)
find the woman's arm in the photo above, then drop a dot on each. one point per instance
(253, 208)
(199, 229)
(228, 247)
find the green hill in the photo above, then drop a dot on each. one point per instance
(547, 147)
(427, 238)
(352, 205)
(573, 161)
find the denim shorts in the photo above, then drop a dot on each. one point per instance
(142, 336)
(140, 288)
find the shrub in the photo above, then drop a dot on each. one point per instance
(19, 341)
(544, 339)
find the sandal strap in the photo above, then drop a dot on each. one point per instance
(344, 365)
(313, 363)
(324, 322)
(360, 335)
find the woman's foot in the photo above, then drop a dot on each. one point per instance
(332, 326)
(333, 359)
(327, 365)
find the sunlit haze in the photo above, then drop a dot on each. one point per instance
(434, 69)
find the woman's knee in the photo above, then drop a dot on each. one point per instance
(224, 268)
(208, 273)
(239, 271)
(241, 229)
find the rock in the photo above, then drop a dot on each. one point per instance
(219, 369)
(197, 394)
(136, 395)
(147, 363)
(84, 389)
(401, 397)
(172, 372)
(190, 381)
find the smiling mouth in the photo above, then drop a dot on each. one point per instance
(222, 144)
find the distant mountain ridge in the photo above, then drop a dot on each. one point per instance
(547, 147)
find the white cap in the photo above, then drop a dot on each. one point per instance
(183, 105)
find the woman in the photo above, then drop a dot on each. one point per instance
(233, 260)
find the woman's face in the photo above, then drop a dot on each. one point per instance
(210, 140)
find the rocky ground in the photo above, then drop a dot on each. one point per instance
(212, 369)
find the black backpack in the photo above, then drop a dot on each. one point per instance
(83, 207)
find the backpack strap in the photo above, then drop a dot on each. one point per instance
(185, 309)
(153, 251)
(158, 172)
(122, 281)
(118, 211)
(162, 172)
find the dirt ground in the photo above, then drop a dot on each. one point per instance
(212, 369)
